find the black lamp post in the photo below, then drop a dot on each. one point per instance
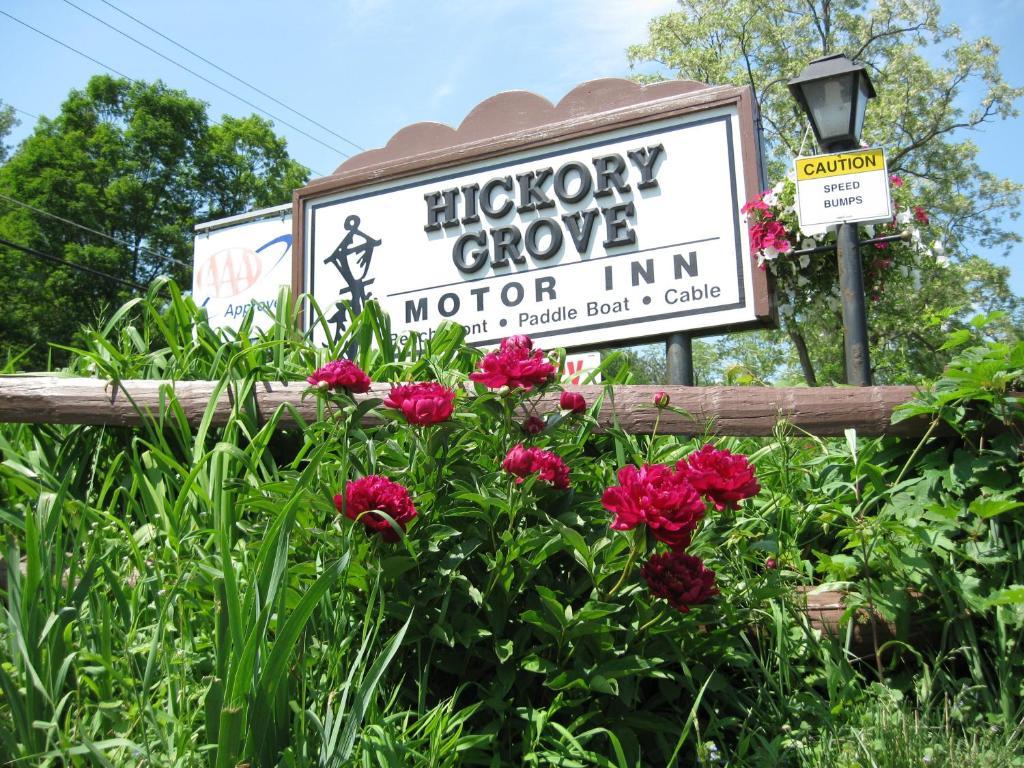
(834, 93)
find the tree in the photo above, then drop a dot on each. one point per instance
(920, 116)
(7, 122)
(141, 163)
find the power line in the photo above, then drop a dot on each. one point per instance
(66, 263)
(231, 75)
(117, 240)
(34, 117)
(105, 66)
(205, 79)
(58, 42)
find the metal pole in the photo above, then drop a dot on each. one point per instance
(851, 290)
(679, 359)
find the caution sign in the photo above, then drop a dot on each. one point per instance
(842, 187)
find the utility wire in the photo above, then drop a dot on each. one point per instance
(231, 75)
(58, 42)
(66, 263)
(34, 117)
(205, 79)
(100, 63)
(125, 243)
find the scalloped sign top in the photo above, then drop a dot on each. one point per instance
(611, 216)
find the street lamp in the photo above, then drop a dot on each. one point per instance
(834, 92)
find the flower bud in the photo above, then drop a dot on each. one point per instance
(533, 425)
(770, 564)
(661, 398)
(572, 401)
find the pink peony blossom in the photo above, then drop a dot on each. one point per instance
(681, 579)
(724, 478)
(340, 374)
(516, 365)
(548, 466)
(422, 403)
(376, 492)
(659, 497)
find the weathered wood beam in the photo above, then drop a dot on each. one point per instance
(822, 411)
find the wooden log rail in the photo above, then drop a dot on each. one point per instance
(741, 411)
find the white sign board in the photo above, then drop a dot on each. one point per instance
(243, 265)
(630, 233)
(843, 187)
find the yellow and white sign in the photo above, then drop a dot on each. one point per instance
(842, 187)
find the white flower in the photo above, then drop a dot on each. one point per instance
(916, 276)
(807, 243)
(869, 229)
(805, 261)
(904, 217)
(770, 198)
(770, 253)
(941, 257)
(801, 280)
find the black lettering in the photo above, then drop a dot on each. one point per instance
(532, 235)
(471, 193)
(645, 159)
(531, 196)
(508, 288)
(617, 229)
(561, 186)
(611, 172)
(507, 245)
(580, 226)
(689, 264)
(415, 309)
(479, 293)
(476, 259)
(487, 193)
(453, 300)
(545, 287)
(442, 209)
(638, 270)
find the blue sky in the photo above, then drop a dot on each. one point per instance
(366, 68)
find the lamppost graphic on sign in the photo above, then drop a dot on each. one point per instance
(355, 243)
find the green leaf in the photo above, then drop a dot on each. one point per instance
(990, 507)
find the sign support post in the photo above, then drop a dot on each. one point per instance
(679, 359)
(855, 322)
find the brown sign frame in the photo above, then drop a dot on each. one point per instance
(515, 121)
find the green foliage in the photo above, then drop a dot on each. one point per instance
(141, 163)
(189, 595)
(933, 87)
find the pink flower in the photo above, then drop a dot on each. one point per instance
(363, 497)
(572, 401)
(769, 234)
(661, 398)
(659, 497)
(516, 365)
(920, 214)
(757, 204)
(770, 563)
(548, 466)
(896, 181)
(681, 579)
(723, 477)
(340, 374)
(422, 403)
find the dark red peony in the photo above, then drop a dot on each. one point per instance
(533, 425)
(549, 467)
(572, 401)
(422, 403)
(365, 496)
(659, 497)
(681, 579)
(340, 374)
(724, 478)
(515, 365)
